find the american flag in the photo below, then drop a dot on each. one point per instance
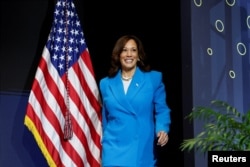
(64, 89)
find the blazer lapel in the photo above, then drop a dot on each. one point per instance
(136, 84)
(134, 88)
(119, 94)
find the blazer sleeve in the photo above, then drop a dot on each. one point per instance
(103, 85)
(162, 110)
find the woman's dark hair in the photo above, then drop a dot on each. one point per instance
(118, 48)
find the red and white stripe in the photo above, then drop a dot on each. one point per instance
(46, 110)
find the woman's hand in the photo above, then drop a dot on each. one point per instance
(162, 138)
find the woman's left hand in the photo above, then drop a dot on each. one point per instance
(162, 138)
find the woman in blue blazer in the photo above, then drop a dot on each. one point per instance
(134, 112)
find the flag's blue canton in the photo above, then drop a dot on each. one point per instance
(65, 32)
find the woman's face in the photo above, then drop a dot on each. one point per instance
(129, 55)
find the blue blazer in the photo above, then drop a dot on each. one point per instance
(131, 121)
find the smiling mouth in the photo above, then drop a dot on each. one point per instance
(128, 61)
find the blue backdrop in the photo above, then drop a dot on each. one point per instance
(220, 54)
(17, 145)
